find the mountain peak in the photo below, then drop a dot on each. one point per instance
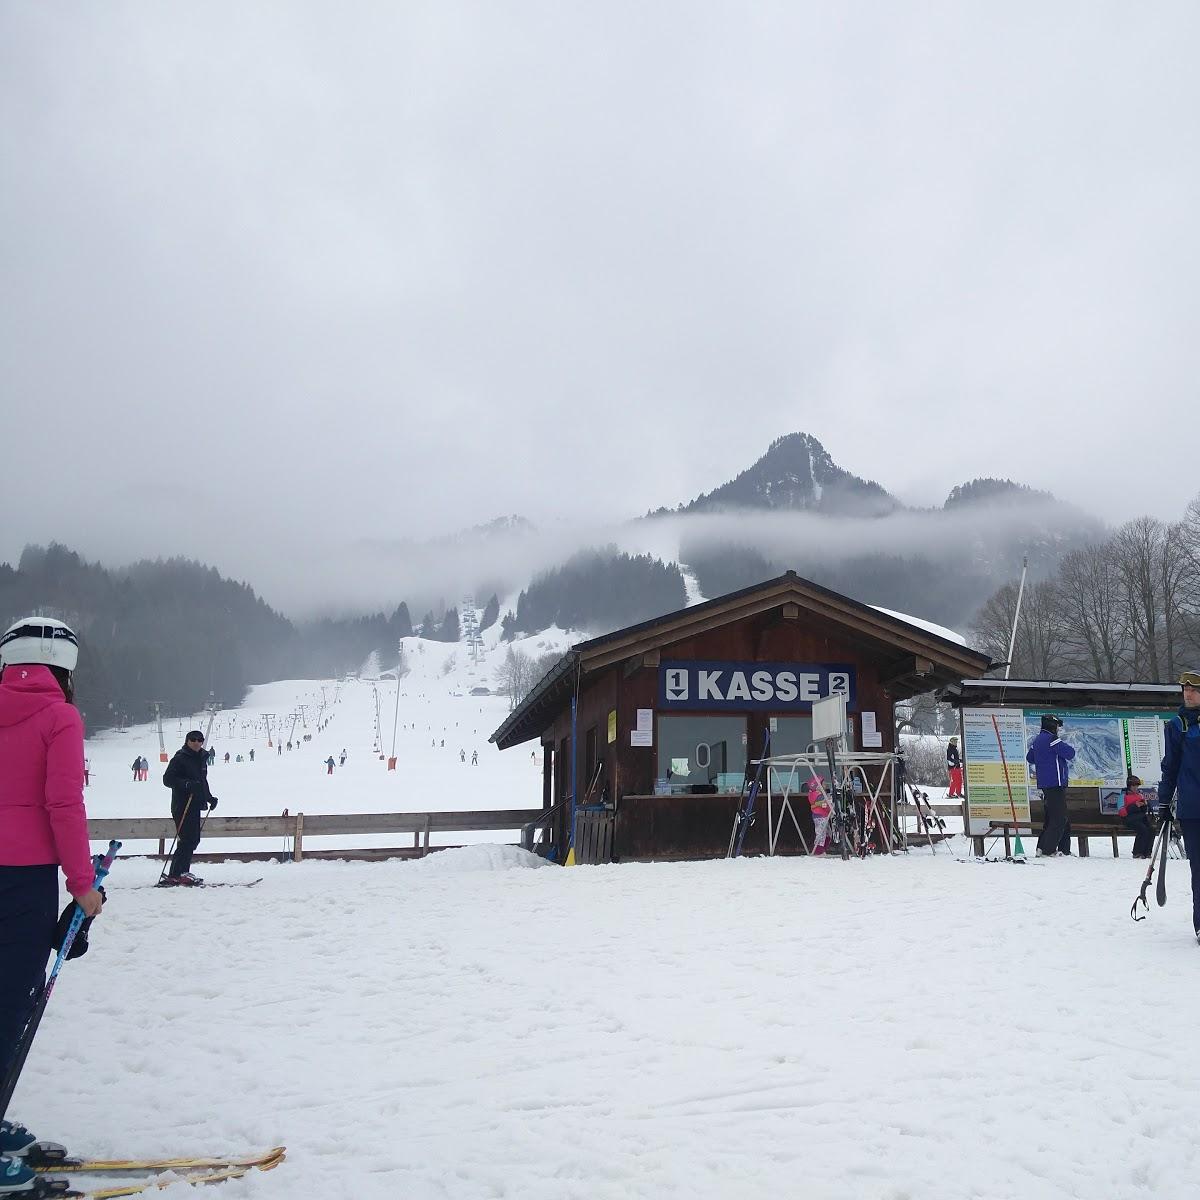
(797, 474)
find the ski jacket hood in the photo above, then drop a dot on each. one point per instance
(42, 817)
(1181, 764)
(1050, 755)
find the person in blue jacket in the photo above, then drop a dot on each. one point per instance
(1181, 780)
(1050, 757)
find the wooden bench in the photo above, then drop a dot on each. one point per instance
(1082, 831)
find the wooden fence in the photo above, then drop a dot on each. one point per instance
(293, 829)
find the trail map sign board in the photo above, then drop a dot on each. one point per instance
(1109, 745)
(987, 791)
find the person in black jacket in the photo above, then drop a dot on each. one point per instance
(954, 770)
(187, 777)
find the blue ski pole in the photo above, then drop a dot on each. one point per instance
(102, 866)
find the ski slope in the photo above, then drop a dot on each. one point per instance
(438, 722)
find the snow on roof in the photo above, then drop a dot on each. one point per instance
(928, 626)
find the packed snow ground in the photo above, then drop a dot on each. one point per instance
(479, 1024)
(913, 1027)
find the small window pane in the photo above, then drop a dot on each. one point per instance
(702, 750)
(790, 735)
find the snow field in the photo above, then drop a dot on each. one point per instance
(912, 1028)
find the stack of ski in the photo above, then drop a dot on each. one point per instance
(190, 1170)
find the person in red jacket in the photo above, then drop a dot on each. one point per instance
(1136, 816)
(43, 826)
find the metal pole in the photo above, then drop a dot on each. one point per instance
(1012, 641)
(574, 762)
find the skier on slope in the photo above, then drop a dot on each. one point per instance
(43, 824)
(187, 777)
(1050, 757)
(1181, 780)
(329, 764)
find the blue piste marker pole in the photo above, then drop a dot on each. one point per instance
(102, 865)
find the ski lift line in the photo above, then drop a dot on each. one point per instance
(396, 718)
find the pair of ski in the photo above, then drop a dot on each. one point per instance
(192, 886)
(1158, 857)
(188, 1170)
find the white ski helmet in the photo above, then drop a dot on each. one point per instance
(39, 640)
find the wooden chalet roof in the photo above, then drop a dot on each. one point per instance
(915, 659)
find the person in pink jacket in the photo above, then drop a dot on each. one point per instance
(43, 826)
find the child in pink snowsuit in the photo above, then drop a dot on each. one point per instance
(820, 814)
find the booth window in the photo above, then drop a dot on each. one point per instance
(790, 735)
(706, 752)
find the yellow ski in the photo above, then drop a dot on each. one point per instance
(129, 1166)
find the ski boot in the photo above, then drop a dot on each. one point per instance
(16, 1179)
(187, 879)
(15, 1140)
(18, 1143)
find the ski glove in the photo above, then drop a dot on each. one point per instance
(212, 802)
(79, 946)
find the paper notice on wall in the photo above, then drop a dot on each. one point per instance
(871, 737)
(645, 721)
(641, 737)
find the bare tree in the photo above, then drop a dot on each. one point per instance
(923, 714)
(1091, 597)
(1042, 632)
(1187, 601)
(1139, 548)
(993, 624)
(1041, 650)
(520, 672)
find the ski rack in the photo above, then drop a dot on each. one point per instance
(839, 794)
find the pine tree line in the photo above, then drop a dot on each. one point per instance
(598, 590)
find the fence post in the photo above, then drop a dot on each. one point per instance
(426, 849)
(298, 838)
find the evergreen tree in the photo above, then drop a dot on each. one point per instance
(449, 630)
(491, 611)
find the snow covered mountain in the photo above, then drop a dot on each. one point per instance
(797, 473)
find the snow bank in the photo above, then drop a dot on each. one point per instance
(486, 857)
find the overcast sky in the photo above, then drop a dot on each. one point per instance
(282, 276)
